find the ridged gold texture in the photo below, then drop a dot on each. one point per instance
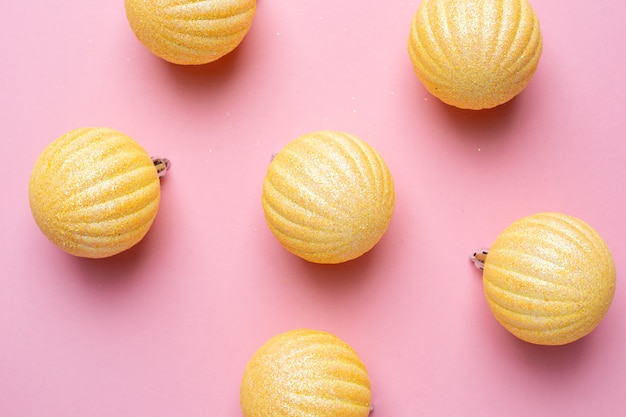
(549, 279)
(475, 54)
(328, 197)
(190, 32)
(305, 373)
(94, 192)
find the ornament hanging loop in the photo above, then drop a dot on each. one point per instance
(161, 165)
(479, 258)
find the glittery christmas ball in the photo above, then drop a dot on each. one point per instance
(328, 197)
(549, 278)
(475, 54)
(305, 373)
(94, 192)
(190, 32)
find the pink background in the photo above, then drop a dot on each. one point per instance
(166, 328)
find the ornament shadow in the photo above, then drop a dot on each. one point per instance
(117, 271)
(483, 125)
(343, 278)
(198, 81)
(559, 361)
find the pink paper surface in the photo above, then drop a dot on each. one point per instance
(166, 328)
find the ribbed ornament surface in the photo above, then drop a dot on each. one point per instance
(94, 192)
(190, 32)
(305, 373)
(328, 197)
(549, 279)
(475, 54)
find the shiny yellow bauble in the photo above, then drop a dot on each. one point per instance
(475, 54)
(305, 373)
(190, 32)
(94, 192)
(549, 278)
(328, 197)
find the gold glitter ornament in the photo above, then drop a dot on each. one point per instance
(190, 32)
(94, 192)
(328, 197)
(305, 373)
(475, 54)
(549, 278)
